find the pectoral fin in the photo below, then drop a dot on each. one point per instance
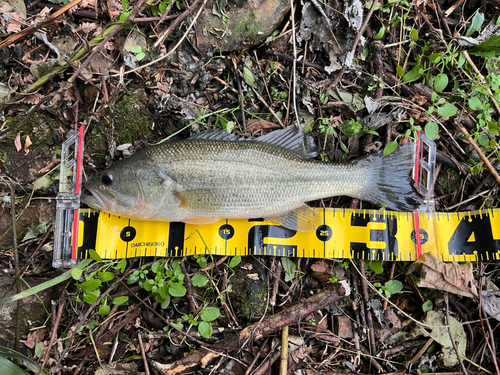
(200, 200)
(302, 219)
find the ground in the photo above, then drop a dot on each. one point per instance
(359, 78)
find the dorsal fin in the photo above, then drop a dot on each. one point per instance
(215, 135)
(292, 139)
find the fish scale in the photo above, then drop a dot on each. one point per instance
(202, 180)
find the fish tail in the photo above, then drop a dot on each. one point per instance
(389, 183)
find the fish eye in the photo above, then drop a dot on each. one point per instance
(107, 179)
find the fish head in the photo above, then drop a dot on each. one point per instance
(126, 189)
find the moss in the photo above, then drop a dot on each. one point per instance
(130, 123)
(248, 297)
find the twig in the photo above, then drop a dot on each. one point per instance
(29, 30)
(284, 351)
(189, 287)
(178, 20)
(263, 346)
(455, 347)
(355, 44)
(294, 77)
(366, 300)
(256, 331)
(267, 106)
(53, 336)
(97, 49)
(144, 359)
(176, 46)
(481, 78)
(480, 152)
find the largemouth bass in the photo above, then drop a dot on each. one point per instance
(215, 176)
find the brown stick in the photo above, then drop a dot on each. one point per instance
(189, 287)
(355, 44)
(53, 336)
(29, 30)
(480, 152)
(203, 356)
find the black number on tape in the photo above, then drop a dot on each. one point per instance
(473, 235)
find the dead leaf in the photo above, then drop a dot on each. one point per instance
(255, 124)
(441, 335)
(33, 99)
(321, 271)
(17, 142)
(27, 144)
(14, 26)
(253, 276)
(491, 303)
(449, 277)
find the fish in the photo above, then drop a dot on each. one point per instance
(215, 175)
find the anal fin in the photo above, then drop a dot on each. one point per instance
(302, 219)
(201, 220)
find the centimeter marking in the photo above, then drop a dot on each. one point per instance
(358, 234)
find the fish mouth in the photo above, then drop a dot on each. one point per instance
(98, 201)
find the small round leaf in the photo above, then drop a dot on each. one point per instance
(177, 290)
(209, 314)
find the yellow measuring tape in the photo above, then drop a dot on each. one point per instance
(358, 234)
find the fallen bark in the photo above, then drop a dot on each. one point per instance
(203, 357)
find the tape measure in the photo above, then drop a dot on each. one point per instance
(359, 234)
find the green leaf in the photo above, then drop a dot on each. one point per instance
(93, 254)
(124, 17)
(202, 262)
(477, 22)
(148, 285)
(483, 140)
(434, 96)
(140, 56)
(427, 306)
(199, 280)
(390, 147)
(178, 325)
(248, 77)
(440, 82)
(414, 35)
(435, 57)
(10, 368)
(235, 261)
(493, 128)
(10, 353)
(106, 276)
(35, 231)
(447, 110)
(154, 10)
(432, 130)
(393, 286)
(413, 74)
(46, 285)
(205, 329)
(165, 303)
(380, 33)
(133, 278)
(125, 4)
(136, 49)
(162, 7)
(376, 266)
(461, 60)
(209, 314)
(76, 273)
(491, 45)
(104, 310)
(290, 268)
(91, 297)
(177, 290)
(90, 285)
(475, 104)
(122, 264)
(400, 71)
(120, 300)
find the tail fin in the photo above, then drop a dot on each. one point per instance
(389, 183)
